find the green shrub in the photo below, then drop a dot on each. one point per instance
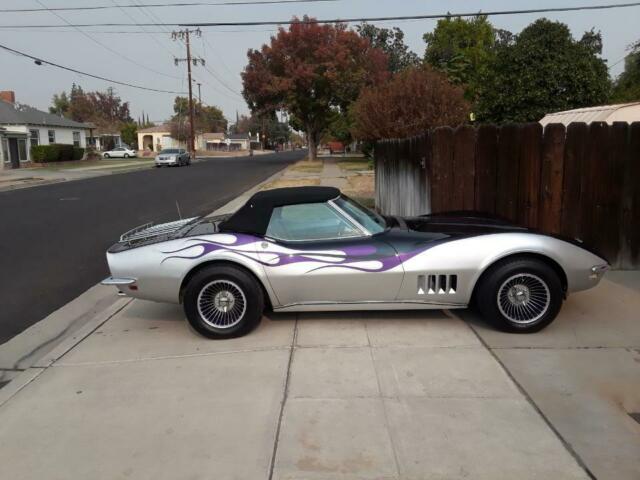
(78, 153)
(38, 153)
(56, 153)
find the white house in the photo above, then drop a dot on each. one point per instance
(622, 112)
(22, 126)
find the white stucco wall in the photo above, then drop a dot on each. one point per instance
(63, 135)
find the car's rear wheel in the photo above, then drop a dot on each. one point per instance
(126, 155)
(106, 155)
(520, 295)
(223, 302)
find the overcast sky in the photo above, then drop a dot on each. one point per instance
(134, 57)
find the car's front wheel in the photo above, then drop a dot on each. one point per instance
(106, 155)
(126, 155)
(520, 295)
(223, 302)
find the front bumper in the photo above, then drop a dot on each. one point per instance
(124, 285)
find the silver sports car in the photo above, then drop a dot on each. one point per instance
(311, 249)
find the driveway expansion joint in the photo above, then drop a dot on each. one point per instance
(285, 395)
(529, 399)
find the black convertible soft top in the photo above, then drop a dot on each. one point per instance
(253, 217)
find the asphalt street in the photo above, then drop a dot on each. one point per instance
(53, 238)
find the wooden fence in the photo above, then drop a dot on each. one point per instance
(582, 181)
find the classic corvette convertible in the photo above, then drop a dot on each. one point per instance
(312, 249)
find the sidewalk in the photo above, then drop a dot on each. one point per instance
(137, 394)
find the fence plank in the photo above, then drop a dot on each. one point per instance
(551, 179)
(441, 168)
(529, 174)
(486, 168)
(464, 149)
(593, 177)
(609, 191)
(507, 174)
(574, 161)
(630, 208)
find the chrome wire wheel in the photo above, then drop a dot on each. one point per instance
(221, 304)
(524, 298)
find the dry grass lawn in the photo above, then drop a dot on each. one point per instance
(292, 182)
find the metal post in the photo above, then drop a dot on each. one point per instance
(199, 94)
(192, 138)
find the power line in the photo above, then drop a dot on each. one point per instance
(40, 61)
(106, 47)
(349, 20)
(159, 5)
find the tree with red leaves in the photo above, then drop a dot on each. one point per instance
(413, 101)
(312, 71)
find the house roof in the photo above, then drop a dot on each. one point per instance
(164, 128)
(622, 112)
(239, 136)
(19, 114)
(213, 136)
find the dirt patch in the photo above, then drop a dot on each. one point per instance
(361, 186)
(291, 182)
(355, 164)
(306, 166)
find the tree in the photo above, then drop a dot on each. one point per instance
(207, 118)
(391, 42)
(543, 70)
(413, 101)
(129, 133)
(627, 86)
(463, 49)
(105, 109)
(60, 104)
(310, 71)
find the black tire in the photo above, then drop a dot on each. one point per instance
(126, 155)
(242, 287)
(504, 302)
(106, 155)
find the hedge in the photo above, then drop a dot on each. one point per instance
(56, 153)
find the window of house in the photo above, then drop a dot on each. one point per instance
(52, 136)
(34, 135)
(76, 139)
(22, 149)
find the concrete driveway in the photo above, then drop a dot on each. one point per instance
(324, 396)
(583, 372)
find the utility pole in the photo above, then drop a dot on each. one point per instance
(185, 36)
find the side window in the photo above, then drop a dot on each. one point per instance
(309, 221)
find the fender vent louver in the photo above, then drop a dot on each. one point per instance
(437, 284)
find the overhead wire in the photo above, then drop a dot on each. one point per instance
(40, 61)
(352, 20)
(106, 47)
(160, 5)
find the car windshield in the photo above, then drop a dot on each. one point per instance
(365, 217)
(170, 151)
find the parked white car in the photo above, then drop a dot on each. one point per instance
(120, 152)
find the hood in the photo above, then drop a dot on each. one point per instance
(461, 223)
